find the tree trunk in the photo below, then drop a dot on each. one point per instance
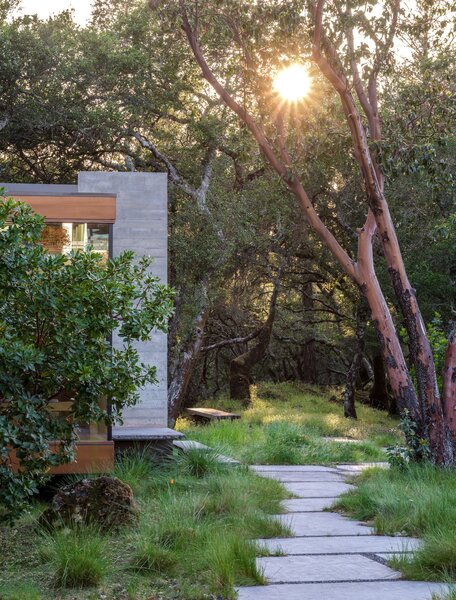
(449, 382)
(242, 365)
(378, 397)
(352, 375)
(240, 380)
(427, 412)
(183, 371)
(349, 392)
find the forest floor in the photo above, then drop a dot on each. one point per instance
(199, 517)
(292, 423)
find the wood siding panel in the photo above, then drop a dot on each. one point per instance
(83, 208)
(91, 457)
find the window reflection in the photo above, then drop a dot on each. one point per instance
(62, 238)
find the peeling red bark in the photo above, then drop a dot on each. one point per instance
(449, 383)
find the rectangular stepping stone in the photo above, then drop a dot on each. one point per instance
(303, 476)
(362, 467)
(301, 569)
(314, 489)
(323, 523)
(189, 445)
(378, 544)
(378, 590)
(341, 440)
(307, 504)
(301, 468)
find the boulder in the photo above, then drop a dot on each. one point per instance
(105, 501)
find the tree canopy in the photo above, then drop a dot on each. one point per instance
(125, 93)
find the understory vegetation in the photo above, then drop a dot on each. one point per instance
(418, 500)
(294, 423)
(193, 541)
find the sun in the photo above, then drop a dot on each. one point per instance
(292, 83)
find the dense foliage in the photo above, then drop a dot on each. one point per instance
(57, 314)
(123, 93)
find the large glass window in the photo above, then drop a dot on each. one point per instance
(60, 238)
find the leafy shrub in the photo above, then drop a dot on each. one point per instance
(416, 448)
(56, 316)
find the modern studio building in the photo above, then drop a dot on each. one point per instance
(112, 212)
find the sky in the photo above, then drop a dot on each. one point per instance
(45, 8)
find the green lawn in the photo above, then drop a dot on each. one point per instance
(418, 501)
(192, 542)
(197, 517)
(285, 425)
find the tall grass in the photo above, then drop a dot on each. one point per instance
(285, 424)
(198, 528)
(418, 501)
(77, 555)
(197, 519)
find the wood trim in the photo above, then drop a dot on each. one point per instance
(81, 208)
(91, 457)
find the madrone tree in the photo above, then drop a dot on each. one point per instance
(350, 47)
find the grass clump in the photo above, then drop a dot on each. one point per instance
(150, 557)
(420, 501)
(77, 556)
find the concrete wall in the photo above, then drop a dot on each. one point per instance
(142, 226)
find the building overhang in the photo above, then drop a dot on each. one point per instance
(71, 208)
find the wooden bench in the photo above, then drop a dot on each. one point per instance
(211, 414)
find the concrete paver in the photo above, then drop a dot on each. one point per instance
(304, 476)
(378, 544)
(307, 504)
(300, 468)
(331, 557)
(315, 489)
(323, 523)
(334, 567)
(378, 590)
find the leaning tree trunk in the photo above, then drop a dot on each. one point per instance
(349, 391)
(427, 411)
(187, 359)
(241, 366)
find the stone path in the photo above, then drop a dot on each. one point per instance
(330, 556)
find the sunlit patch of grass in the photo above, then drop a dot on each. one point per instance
(285, 423)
